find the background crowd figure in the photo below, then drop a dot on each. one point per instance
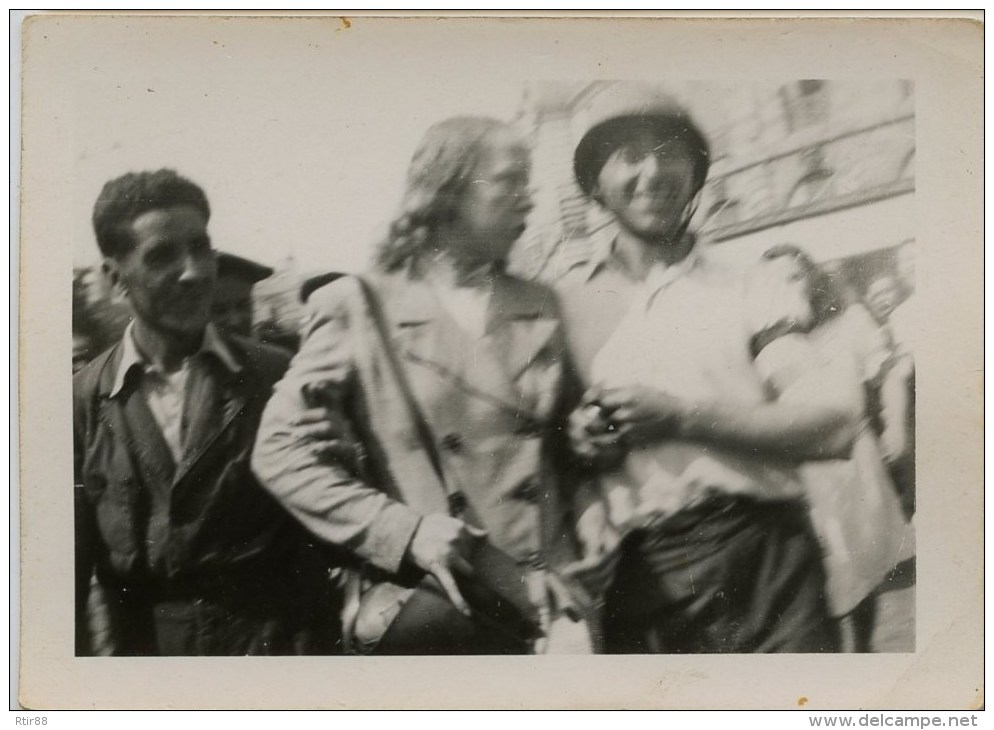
(650, 451)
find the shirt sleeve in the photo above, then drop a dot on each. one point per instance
(324, 492)
(796, 369)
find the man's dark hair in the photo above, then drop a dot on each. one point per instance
(125, 198)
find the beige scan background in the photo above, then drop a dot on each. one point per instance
(84, 72)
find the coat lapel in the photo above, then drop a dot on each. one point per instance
(427, 337)
(519, 325)
(213, 403)
(215, 397)
(128, 417)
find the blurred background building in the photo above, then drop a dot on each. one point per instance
(822, 164)
(827, 165)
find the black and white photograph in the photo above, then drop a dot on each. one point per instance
(469, 338)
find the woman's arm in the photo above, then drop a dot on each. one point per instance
(321, 490)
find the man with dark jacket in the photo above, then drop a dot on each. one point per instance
(189, 554)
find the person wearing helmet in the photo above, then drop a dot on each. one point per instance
(697, 499)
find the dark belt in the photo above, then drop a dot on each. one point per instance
(724, 506)
(707, 526)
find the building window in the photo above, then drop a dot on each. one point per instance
(815, 182)
(805, 103)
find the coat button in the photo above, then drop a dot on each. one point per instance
(452, 442)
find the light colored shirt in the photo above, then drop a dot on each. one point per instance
(467, 305)
(594, 296)
(686, 333)
(165, 393)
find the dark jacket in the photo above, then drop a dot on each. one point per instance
(194, 557)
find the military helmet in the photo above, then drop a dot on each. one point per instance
(616, 111)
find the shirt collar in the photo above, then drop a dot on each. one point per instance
(602, 254)
(660, 276)
(131, 357)
(605, 256)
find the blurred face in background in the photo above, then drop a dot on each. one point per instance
(491, 213)
(648, 184)
(786, 270)
(882, 296)
(232, 307)
(782, 286)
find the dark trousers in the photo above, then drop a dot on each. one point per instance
(286, 606)
(732, 575)
(428, 624)
(425, 622)
(198, 628)
(192, 626)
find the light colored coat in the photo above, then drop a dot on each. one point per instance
(495, 405)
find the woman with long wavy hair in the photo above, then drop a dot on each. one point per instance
(444, 378)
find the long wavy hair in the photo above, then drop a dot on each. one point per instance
(824, 296)
(436, 179)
